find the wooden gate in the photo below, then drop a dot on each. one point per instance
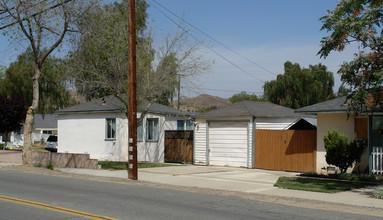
(289, 150)
(178, 146)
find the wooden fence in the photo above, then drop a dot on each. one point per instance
(179, 146)
(289, 150)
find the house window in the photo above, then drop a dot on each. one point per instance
(180, 125)
(152, 129)
(184, 125)
(139, 131)
(47, 132)
(110, 129)
(189, 125)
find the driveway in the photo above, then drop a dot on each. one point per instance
(225, 178)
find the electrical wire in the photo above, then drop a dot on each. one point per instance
(214, 51)
(215, 40)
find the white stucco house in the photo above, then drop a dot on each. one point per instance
(226, 136)
(100, 128)
(332, 115)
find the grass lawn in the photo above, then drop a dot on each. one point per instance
(112, 165)
(319, 185)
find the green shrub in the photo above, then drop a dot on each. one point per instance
(340, 151)
(50, 166)
(379, 192)
(38, 165)
(358, 177)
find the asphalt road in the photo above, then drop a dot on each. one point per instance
(36, 196)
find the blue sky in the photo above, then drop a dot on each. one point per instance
(267, 32)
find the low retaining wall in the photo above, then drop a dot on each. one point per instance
(64, 160)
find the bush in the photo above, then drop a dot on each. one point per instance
(50, 166)
(379, 192)
(340, 151)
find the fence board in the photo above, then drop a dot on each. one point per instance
(290, 150)
(179, 146)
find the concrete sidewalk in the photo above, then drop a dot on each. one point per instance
(251, 181)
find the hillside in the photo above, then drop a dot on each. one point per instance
(202, 102)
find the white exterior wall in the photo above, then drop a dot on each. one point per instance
(332, 121)
(273, 123)
(200, 142)
(200, 139)
(85, 133)
(171, 122)
(152, 151)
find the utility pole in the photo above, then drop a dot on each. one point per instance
(132, 103)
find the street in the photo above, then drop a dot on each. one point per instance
(73, 198)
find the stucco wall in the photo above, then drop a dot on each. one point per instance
(152, 151)
(85, 133)
(331, 121)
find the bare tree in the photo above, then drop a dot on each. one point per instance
(43, 24)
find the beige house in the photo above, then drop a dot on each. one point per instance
(332, 115)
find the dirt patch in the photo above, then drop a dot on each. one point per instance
(303, 203)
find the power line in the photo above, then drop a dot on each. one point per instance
(238, 67)
(207, 35)
(37, 13)
(224, 90)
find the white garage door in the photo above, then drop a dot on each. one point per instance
(228, 144)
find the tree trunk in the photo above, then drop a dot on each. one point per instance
(28, 125)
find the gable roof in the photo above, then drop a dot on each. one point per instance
(332, 106)
(113, 104)
(249, 108)
(47, 121)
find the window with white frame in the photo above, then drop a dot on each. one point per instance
(110, 133)
(140, 130)
(184, 125)
(152, 129)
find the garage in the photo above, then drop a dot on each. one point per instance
(228, 143)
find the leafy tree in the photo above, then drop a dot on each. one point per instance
(43, 24)
(358, 21)
(52, 92)
(243, 96)
(340, 151)
(343, 91)
(99, 66)
(12, 113)
(299, 87)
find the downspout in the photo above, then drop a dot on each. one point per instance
(253, 143)
(207, 143)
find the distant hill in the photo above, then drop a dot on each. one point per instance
(202, 103)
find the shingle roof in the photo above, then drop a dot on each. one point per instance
(249, 108)
(113, 104)
(334, 105)
(48, 121)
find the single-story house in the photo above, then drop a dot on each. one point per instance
(332, 115)
(251, 134)
(100, 128)
(43, 126)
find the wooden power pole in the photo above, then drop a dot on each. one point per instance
(132, 103)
